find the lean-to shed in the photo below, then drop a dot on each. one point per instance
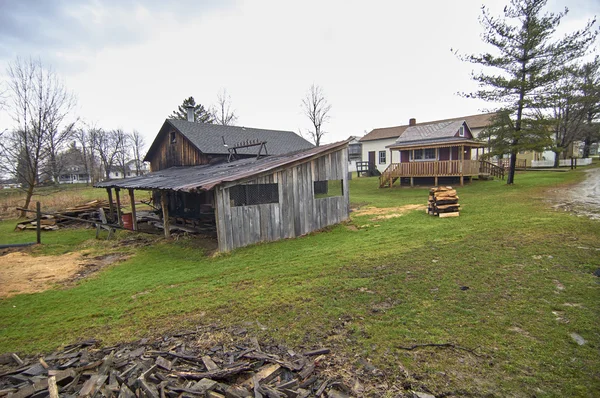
(254, 200)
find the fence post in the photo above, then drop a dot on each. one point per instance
(38, 229)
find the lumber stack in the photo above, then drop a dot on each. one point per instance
(47, 223)
(443, 202)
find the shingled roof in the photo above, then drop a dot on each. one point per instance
(434, 134)
(208, 138)
(474, 121)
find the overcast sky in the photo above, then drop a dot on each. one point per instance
(131, 63)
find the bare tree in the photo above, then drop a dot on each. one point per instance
(39, 104)
(108, 146)
(316, 108)
(121, 142)
(222, 112)
(137, 145)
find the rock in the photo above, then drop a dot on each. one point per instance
(578, 339)
(597, 273)
(419, 394)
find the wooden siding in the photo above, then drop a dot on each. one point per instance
(297, 212)
(180, 153)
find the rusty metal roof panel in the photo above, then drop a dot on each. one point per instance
(206, 177)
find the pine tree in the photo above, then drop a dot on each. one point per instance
(201, 115)
(526, 60)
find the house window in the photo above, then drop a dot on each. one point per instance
(172, 137)
(116, 174)
(461, 131)
(253, 194)
(328, 188)
(423, 154)
(382, 157)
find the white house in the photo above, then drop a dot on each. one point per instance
(116, 172)
(374, 143)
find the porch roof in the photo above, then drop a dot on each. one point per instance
(437, 143)
(206, 177)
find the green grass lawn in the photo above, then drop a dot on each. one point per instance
(367, 290)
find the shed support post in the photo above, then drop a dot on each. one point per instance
(436, 181)
(118, 198)
(165, 211)
(38, 227)
(111, 211)
(133, 213)
(412, 181)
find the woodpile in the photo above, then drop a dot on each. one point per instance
(181, 365)
(50, 222)
(443, 202)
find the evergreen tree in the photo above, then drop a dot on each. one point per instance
(201, 115)
(526, 61)
(590, 90)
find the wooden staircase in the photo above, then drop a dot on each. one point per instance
(490, 169)
(387, 178)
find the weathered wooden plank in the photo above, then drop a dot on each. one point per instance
(221, 233)
(297, 201)
(288, 207)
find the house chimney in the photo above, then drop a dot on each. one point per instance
(412, 121)
(190, 113)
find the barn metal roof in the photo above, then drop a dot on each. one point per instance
(206, 177)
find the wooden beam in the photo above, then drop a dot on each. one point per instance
(38, 228)
(133, 212)
(165, 210)
(118, 198)
(111, 211)
(462, 164)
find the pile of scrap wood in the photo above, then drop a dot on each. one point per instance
(443, 202)
(47, 223)
(190, 364)
(52, 221)
(88, 210)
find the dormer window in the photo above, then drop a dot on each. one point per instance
(461, 131)
(172, 137)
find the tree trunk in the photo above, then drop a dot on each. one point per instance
(556, 159)
(511, 170)
(28, 197)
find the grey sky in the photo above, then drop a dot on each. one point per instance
(379, 62)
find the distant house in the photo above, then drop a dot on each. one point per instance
(354, 152)
(130, 170)
(72, 167)
(9, 183)
(443, 149)
(375, 144)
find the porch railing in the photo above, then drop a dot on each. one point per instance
(446, 168)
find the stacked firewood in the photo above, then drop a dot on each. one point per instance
(89, 209)
(443, 202)
(184, 365)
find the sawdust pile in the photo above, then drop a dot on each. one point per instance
(23, 273)
(383, 213)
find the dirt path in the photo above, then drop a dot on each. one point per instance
(584, 198)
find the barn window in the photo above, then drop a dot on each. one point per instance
(253, 194)
(172, 137)
(328, 188)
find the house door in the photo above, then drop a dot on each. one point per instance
(372, 157)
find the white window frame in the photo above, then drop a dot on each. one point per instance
(384, 153)
(461, 131)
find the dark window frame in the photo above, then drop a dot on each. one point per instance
(253, 194)
(328, 189)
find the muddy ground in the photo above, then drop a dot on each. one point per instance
(582, 199)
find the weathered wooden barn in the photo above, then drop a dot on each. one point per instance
(250, 198)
